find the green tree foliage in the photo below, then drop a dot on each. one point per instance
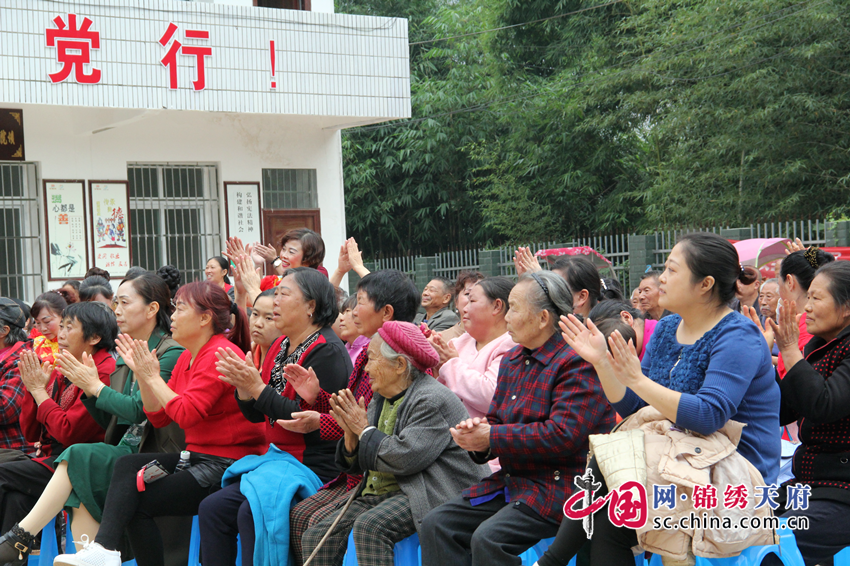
(636, 115)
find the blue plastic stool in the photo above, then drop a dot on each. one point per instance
(407, 552)
(786, 550)
(195, 545)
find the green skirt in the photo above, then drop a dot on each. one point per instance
(90, 471)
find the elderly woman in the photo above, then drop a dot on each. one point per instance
(469, 364)
(202, 405)
(706, 364)
(300, 460)
(547, 402)
(815, 394)
(83, 470)
(402, 446)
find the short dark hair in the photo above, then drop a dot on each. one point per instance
(50, 300)
(580, 274)
(341, 297)
(838, 273)
(612, 309)
(94, 286)
(73, 283)
(448, 286)
(266, 293)
(609, 325)
(797, 265)
(312, 245)
(709, 254)
(97, 319)
(349, 303)
(465, 277)
(497, 288)
(316, 287)
(394, 288)
(654, 273)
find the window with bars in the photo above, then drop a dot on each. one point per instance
(20, 252)
(290, 189)
(174, 216)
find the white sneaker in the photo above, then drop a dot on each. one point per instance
(92, 554)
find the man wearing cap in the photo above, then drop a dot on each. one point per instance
(13, 340)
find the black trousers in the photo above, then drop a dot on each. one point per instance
(221, 517)
(610, 545)
(827, 535)
(21, 484)
(128, 509)
(491, 534)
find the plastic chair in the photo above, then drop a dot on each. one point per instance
(842, 558)
(195, 545)
(786, 551)
(406, 553)
(50, 545)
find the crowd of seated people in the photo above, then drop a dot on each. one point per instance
(291, 418)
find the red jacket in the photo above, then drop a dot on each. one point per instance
(57, 429)
(205, 407)
(328, 358)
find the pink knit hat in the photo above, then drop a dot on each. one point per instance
(406, 338)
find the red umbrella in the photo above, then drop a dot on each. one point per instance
(599, 261)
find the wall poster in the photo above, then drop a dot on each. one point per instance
(110, 225)
(242, 206)
(65, 220)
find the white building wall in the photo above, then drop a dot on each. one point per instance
(326, 64)
(241, 145)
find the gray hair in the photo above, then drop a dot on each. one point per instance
(773, 280)
(413, 372)
(549, 292)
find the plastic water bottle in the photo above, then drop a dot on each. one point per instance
(133, 436)
(184, 463)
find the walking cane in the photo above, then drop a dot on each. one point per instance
(351, 497)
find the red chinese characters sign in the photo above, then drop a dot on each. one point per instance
(73, 49)
(170, 58)
(74, 41)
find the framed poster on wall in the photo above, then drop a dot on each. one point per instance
(65, 221)
(110, 225)
(243, 211)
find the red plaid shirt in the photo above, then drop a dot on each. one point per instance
(360, 385)
(547, 402)
(12, 393)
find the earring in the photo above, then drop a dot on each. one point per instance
(310, 315)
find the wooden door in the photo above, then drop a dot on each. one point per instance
(276, 223)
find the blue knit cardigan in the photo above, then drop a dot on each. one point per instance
(726, 374)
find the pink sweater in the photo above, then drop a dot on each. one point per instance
(472, 375)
